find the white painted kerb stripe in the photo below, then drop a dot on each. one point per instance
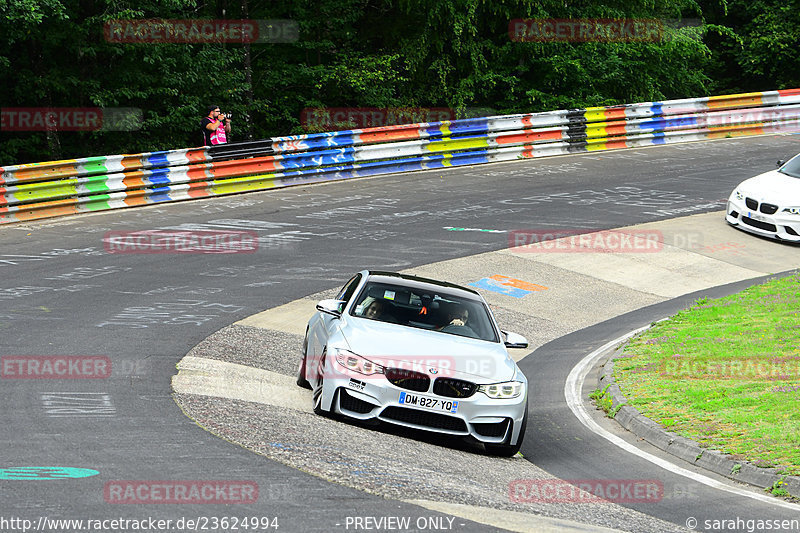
(572, 393)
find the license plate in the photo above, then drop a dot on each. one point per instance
(425, 402)
(756, 216)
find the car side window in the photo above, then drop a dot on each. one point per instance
(349, 288)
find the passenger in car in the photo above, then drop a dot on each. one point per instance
(378, 310)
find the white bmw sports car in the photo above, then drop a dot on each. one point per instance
(769, 204)
(417, 353)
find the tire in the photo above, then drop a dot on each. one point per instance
(507, 450)
(301, 372)
(317, 406)
(317, 394)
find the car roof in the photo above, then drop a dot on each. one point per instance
(421, 283)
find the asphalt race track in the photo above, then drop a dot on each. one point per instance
(64, 295)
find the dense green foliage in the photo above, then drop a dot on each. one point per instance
(368, 53)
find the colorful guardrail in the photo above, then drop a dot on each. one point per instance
(54, 188)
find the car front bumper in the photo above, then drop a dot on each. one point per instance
(778, 225)
(373, 397)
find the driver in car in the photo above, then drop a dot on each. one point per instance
(457, 316)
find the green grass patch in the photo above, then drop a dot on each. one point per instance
(604, 401)
(725, 373)
(601, 399)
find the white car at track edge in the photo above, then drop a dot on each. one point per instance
(769, 204)
(417, 353)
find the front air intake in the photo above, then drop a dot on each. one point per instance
(424, 418)
(349, 403)
(768, 209)
(408, 379)
(766, 226)
(497, 429)
(454, 388)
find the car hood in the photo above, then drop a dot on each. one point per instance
(773, 187)
(422, 350)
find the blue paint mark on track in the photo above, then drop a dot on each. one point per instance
(497, 286)
(38, 473)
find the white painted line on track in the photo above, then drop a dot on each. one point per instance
(572, 393)
(212, 377)
(511, 520)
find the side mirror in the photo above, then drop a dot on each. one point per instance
(331, 307)
(514, 340)
(780, 163)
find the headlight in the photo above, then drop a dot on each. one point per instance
(502, 391)
(738, 194)
(791, 210)
(356, 363)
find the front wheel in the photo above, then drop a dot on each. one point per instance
(317, 393)
(318, 409)
(508, 450)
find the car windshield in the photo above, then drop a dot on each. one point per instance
(792, 168)
(435, 310)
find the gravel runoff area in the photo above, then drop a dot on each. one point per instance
(394, 466)
(388, 461)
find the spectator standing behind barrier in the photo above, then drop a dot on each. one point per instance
(216, 127)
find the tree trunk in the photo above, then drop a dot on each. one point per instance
(248, 80)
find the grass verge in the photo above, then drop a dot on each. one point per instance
(725, 373)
